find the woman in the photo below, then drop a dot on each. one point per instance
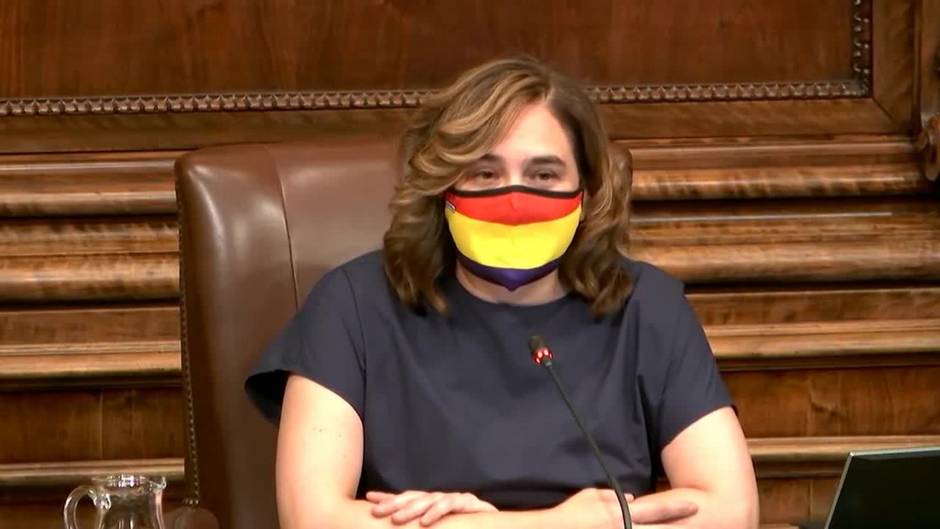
(404, 387)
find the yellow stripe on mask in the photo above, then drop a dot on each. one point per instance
(521, 247)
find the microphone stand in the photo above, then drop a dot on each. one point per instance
(542, 356)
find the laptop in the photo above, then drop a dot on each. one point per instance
(887, 489)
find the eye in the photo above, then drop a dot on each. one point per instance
(545, 175)
(483, 174)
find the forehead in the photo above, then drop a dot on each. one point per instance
(536, 132)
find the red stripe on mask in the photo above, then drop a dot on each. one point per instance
(514, 208)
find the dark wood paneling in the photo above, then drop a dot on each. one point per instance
(766, 138)
(927, 57)
(91, 424)
(142, 183)
(860, 343)
(704, 242)
(795, 500)
(31, 237)
(801, 457)
(124, 184)
(92, 346)
(46, 329)
(88, 184)
(140, 130)
(782, 223)
(799, 262)
(721, 169)
(90, 277)
(828, 402)
(92, 48)
(146, 131)
(142, 423)
(784, 500)
(747, 305)
(150, 364)
(68, 426)
(825, 55)
(893, 86)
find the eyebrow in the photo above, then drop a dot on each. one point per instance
(547, 159)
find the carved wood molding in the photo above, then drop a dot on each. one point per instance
(99, 277)
(700, 246)
(862, 43)
(928, 145)
(802, 457)
(55, 366)
(859, 85)
(796, 262)
(832, 344)
(304, 100)
(71, 473)
(141, 183)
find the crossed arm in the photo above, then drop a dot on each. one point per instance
(319, 461)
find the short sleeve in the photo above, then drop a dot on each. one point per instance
(692, 386)
(322, 342)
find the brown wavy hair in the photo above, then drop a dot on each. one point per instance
(461, 123)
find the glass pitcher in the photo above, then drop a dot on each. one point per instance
(122, 501)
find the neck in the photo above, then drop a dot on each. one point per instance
(543, 290)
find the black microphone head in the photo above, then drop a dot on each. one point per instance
(541, 354)
(536, 342)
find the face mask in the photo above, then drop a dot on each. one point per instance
(513, 235)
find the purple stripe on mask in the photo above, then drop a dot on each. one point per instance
(511, 278)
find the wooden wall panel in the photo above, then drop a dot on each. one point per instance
(811, 303)
(181, 46)
(91, 424)
(50, 328)
(141, 183)
(67, 428)
(778, 172)
(142, 423)
(795, 500)
(136, 124)
(812, 77)
(827, 402)
(90, 184)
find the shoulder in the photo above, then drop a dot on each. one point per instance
(656, 293)
(659, 307)
(364, 272)
(357, 281)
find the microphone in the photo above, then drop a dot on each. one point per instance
(542, 356)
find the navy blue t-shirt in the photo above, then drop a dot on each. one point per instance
(455, 402)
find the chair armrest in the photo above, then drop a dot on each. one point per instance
(190, 518)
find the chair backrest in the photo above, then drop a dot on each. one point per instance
(259, 224)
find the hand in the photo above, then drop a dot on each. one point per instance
(599, 509)
(429, 506)
(590, 509)
(658, 510)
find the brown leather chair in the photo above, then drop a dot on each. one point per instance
(259, 224)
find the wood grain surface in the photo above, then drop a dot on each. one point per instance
(776, 172)
(181, 46)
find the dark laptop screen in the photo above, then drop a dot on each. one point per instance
(899, 488)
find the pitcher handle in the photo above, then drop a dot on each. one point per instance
(71, 503)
